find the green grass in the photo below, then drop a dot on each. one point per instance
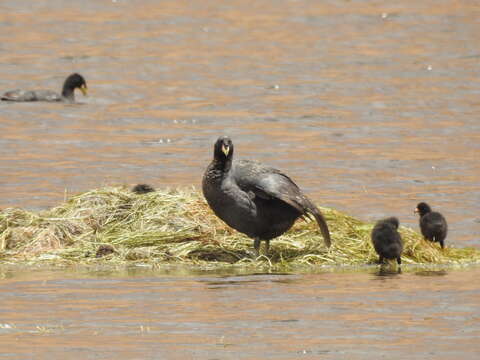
(176, 226)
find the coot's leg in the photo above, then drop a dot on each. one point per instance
(267, 247)
(256, 246)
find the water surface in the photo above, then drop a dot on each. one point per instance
(155, 315)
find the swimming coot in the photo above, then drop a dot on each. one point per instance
(74, 81)
(255, 199)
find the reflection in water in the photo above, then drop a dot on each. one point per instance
(388, 271)
(254, 278)
(431, 273)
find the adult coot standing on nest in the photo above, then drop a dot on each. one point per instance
(386, 240)
(432, 224)
(74, 81)
(254, 199)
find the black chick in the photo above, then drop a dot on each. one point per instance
(386, 240)
(72, 82)
(254, 199)
(142, 189)
(104, 250)
(432, 224)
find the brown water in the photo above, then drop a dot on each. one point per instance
(142, 315)
(371, 106)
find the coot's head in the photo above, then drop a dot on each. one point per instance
(422, 209)
(393, 221)
(223, 150)
(75, 81)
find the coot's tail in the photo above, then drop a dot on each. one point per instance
(312, 209)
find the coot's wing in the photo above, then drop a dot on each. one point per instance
(47, 95)
(267, 183)
(19, 95)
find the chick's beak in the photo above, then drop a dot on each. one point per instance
(83, 89)
(225, 149)
(416, 211)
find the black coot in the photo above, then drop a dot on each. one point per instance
(142, 189)
(432, 224)
(386, 240)
(254, 199)
(72, 82)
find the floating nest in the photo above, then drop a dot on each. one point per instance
(175, 226)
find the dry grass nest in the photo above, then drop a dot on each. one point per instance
(176, 226)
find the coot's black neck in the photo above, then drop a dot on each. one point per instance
(68, 92)
(222, 165)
